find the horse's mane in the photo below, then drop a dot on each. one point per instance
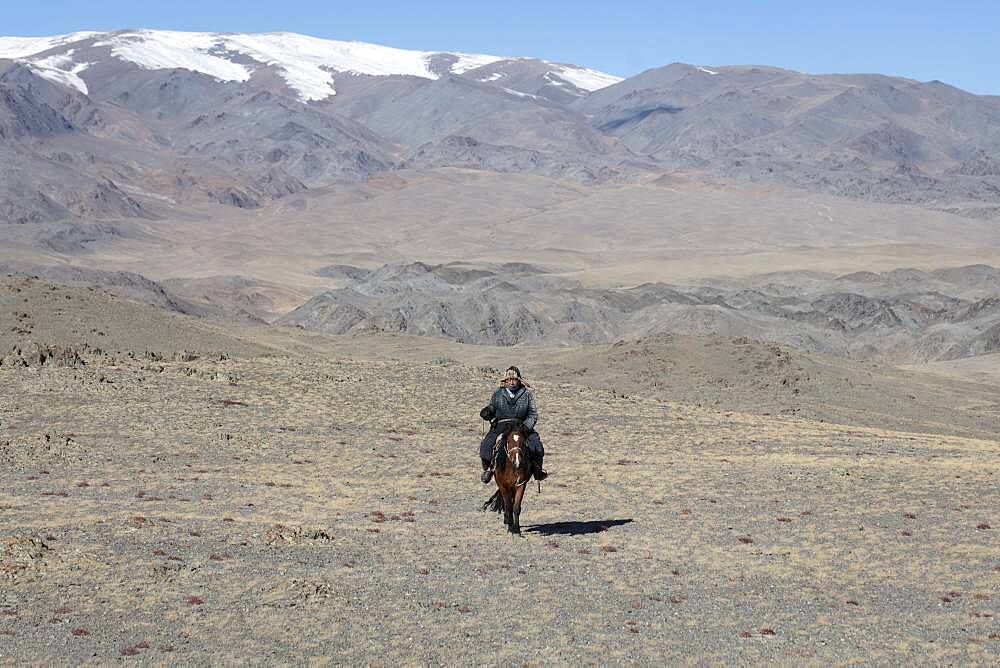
(512, 425)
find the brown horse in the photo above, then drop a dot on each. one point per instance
(512, 471)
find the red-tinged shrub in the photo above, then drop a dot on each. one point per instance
(80, 632)
(608, 548)
(767, 632)
(194, 600)
(746, 540)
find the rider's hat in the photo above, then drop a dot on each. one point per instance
(512, 372)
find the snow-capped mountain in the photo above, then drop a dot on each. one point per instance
(308, 65)
(140, 123)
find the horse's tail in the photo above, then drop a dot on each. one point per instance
(494, 503)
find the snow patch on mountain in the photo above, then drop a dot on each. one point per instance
(22, 47)
(470, 61)
(61, 69)
(584, 78)
(169, 49)
(307, 64)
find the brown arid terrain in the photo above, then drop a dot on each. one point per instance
(183, 490)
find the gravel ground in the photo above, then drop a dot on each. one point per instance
(302, 507)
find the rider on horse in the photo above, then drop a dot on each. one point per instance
(511, 401)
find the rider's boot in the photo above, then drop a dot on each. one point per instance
(487, 471)
(539, 472)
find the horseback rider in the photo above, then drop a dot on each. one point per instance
(512, 400)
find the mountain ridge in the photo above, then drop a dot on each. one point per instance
(179, 121)
(228, 56)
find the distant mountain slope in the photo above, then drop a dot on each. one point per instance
(147, 123)
(867, 136)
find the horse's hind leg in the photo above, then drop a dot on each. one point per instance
(518, 496)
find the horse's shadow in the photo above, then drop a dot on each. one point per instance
(574, 528)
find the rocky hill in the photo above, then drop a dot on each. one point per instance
(904, 315)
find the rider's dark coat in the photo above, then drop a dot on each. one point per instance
(521, 407)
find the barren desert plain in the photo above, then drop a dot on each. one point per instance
(177, 490)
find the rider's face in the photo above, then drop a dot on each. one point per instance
(511, 382)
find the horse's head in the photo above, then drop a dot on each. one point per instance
(515, 438)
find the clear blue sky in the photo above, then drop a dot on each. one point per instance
(957, 42)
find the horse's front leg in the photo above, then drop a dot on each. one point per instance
(518, 496)
(508, 505)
